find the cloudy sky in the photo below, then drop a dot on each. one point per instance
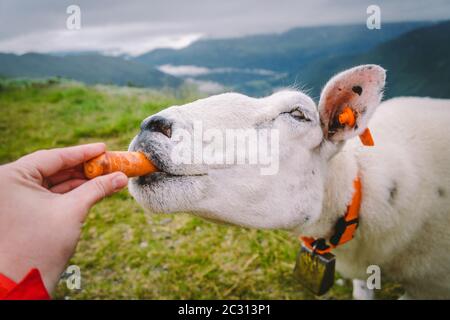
(134, 27)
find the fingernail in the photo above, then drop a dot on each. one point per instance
(119, 181)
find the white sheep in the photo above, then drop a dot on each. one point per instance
(405, 210)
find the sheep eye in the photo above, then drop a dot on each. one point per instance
(299, 115)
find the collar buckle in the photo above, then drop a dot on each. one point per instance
(343, 231)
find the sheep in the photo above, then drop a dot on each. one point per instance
(404, 215)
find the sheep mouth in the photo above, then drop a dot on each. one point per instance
(162, 176)
(167, 168)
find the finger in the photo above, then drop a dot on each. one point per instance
(67, 186)
(49, 162)
(64, 175)
(96, 189)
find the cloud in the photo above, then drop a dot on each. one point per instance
(207, 87)
(133, 27)
(193, 71)
(128, 39)
(185, 70)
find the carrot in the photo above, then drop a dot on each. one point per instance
(133, 164)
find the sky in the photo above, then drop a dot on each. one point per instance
(134, 27)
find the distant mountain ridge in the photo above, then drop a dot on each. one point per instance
(89, 68)
(279, 52)
(416, 55)
(417, 63)
(292, 56)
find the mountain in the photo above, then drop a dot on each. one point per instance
(416, 55)
(251, 64)
(418, 64)
(279, 52)
(89, 68)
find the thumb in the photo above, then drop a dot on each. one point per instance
(94, 190)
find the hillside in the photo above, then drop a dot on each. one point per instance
(418, 64)
(416, 55)
(279, 52)
(256, 65)
(88, 68)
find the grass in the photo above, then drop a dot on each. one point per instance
(123, 253)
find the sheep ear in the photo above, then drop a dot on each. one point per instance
(358, 90)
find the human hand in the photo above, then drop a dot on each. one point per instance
(44, 200)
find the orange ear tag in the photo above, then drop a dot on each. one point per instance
(366, 138)
(347, 117)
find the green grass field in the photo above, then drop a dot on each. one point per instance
(125, 254)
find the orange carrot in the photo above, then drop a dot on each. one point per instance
(133, 164)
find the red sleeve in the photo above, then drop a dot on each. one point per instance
(29, 288)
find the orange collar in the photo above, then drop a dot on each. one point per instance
(344, 229)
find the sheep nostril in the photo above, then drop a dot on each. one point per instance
(158, 124)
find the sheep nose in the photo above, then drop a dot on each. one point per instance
(158, 124)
